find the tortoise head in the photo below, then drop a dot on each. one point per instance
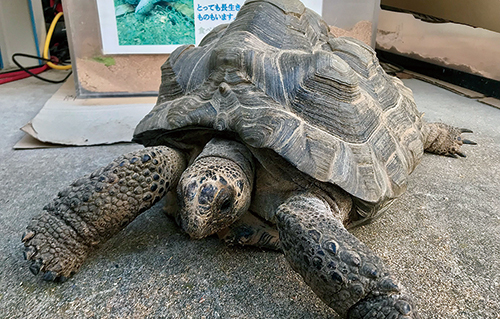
(212, 193)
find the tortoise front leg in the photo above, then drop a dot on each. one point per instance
(250, 230)
(340, 269)
(96, 207)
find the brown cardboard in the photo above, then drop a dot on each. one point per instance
(66, 120)
(491, 101)
(478, 13)
(29, 142)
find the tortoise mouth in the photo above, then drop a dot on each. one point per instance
(197, 227)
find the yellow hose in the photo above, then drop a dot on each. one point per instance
(46, 46)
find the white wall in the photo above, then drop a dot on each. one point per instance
(16, 31)
(460, 47)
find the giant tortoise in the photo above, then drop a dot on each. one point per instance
(273, 133)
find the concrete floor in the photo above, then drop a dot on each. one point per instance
(441, 238)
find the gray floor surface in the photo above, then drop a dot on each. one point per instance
(441, 238)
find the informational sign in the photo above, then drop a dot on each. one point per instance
(209, 14)
(153, 26)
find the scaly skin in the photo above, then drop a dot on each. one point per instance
(250, 230)
(340, 269)
(96, 207)
(444, 139)
(394, 307)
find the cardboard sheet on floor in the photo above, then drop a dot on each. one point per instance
(65, 120)
(491, 101)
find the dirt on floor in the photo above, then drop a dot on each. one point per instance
(121, 73)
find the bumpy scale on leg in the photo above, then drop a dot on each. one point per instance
(445, 140)
(340, 269)
(96, 207)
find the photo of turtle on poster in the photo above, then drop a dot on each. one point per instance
(154, 22)
(161, 26)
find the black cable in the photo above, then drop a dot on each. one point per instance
(56, 2)
(17, 70)
(33, 74)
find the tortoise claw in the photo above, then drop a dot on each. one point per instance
(61, 279)
(27, 236)
(29, 252)
(469, 142)
(388, 285)
(460, 154)
(35, 267)
(49, 276)
(465, 130)
(451, 155)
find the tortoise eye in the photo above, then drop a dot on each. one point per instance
(226, 205)
(224, 200)
(206, 194)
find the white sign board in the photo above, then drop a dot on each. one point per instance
(209, 14)
(150, 26)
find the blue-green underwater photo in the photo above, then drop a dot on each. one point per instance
(154, 22)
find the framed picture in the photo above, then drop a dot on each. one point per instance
(155, 26)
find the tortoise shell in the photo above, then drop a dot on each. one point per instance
(276, 78)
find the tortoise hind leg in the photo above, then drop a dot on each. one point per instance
(444, 139)
(340, 269)
(250, 230)
(96, 207)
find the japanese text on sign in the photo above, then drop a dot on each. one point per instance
(214, 12)
(208, 14)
